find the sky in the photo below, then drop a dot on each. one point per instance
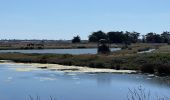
(63, 19)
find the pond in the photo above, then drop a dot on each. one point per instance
(60, 51)
(18, 84)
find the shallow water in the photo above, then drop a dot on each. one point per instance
(60, 51)
(147, 51)
(18, 85)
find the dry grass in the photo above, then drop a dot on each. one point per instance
(163, 49)
(54, 46)
(141, 93)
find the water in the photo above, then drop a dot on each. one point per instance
(147, 51)
(60, 51)
(18, 85)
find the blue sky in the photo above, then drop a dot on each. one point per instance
(63, 19)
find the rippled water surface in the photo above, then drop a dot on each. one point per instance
(18, 84)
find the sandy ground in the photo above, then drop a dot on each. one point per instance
(56, 67)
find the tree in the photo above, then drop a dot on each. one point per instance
(96, 36)
(134, 37)
(158, 38)
(153, 38)
(76, 39)
(165, 37)
(121, 37)
(115, 37)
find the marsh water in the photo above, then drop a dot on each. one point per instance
(60, 51)
(18, 82)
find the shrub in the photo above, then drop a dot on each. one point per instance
(117, 67)
(66, 62)
(66, 56)
(91, 64)
(148, 68)
(96, 64)
(76, 39)
(99, 65)
(163, 70)
(43, 60)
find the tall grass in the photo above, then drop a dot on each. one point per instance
(141, 93)
(38, 98)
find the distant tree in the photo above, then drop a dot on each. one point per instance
(121, 37)
(116, 37)
(165, 37)
(153, 38)
(150, 37)
(93, 38)
(134, 37)
(129, 37)
(76, 39)
(158, 38)
(96, 36)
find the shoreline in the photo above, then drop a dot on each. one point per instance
(65, 68)
(152, 63)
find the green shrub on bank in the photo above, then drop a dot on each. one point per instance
(158, 63)
(148, 68)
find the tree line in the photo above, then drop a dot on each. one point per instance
(126, 37)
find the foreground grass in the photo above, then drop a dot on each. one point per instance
(155, 63)
(141, 93)
(138, 93)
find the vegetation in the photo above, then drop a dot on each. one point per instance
(130, 37)
(157, 38)
(76, 39)
(103, 47)
(141, 93)
(96, 36)
(138, 93)
(115, 37)
(157, 63)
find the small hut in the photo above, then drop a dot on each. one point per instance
(103, 46)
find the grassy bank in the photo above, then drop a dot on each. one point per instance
(52, 45)
(156, 63)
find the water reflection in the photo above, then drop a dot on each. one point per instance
(74, 86)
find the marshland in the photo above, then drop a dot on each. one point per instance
(87, 76)
(84, 50)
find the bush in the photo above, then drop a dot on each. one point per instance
(147, 68)
(99, 65)
(169, 43)
(43, 60)
(66, 56)
(91, 64)
(67, 62)
(96, 65)
(163, 70)
(76, 39)
(117, 67)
